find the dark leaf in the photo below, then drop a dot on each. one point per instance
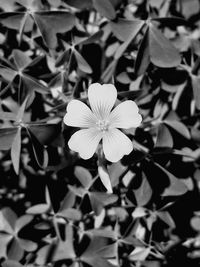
(39, 151)
(171, 21)
(105, 8)
(52, 22)
(80, 4)
(46, 133)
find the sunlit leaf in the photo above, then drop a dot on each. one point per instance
(65, 249)
(105, 179)
(15, 150)
(196, 89)
(139, 254)
(83, 176)
(38, 209)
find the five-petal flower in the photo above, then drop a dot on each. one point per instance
(102, 123)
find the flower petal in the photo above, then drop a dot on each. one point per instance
(116, 145)
(85, 142)
(102, 99)
(125, 115)
(79, 115)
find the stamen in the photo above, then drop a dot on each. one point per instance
(102, 125)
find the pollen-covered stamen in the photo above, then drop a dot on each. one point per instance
(102, 125)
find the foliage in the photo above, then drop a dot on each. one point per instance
(60, 210)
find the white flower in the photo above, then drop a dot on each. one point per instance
(102, 123)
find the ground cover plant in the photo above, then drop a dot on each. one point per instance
(99, 133)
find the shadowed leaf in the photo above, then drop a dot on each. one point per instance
(124, 29)
(39, 151)
(162, 52)
(82, 63)
(144, 193)
(52, 22)
(7, 136)
(176, 186)
(105, 8)
(143, 58)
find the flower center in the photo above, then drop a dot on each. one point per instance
(102, 125)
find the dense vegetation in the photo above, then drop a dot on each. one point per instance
(58, 209)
